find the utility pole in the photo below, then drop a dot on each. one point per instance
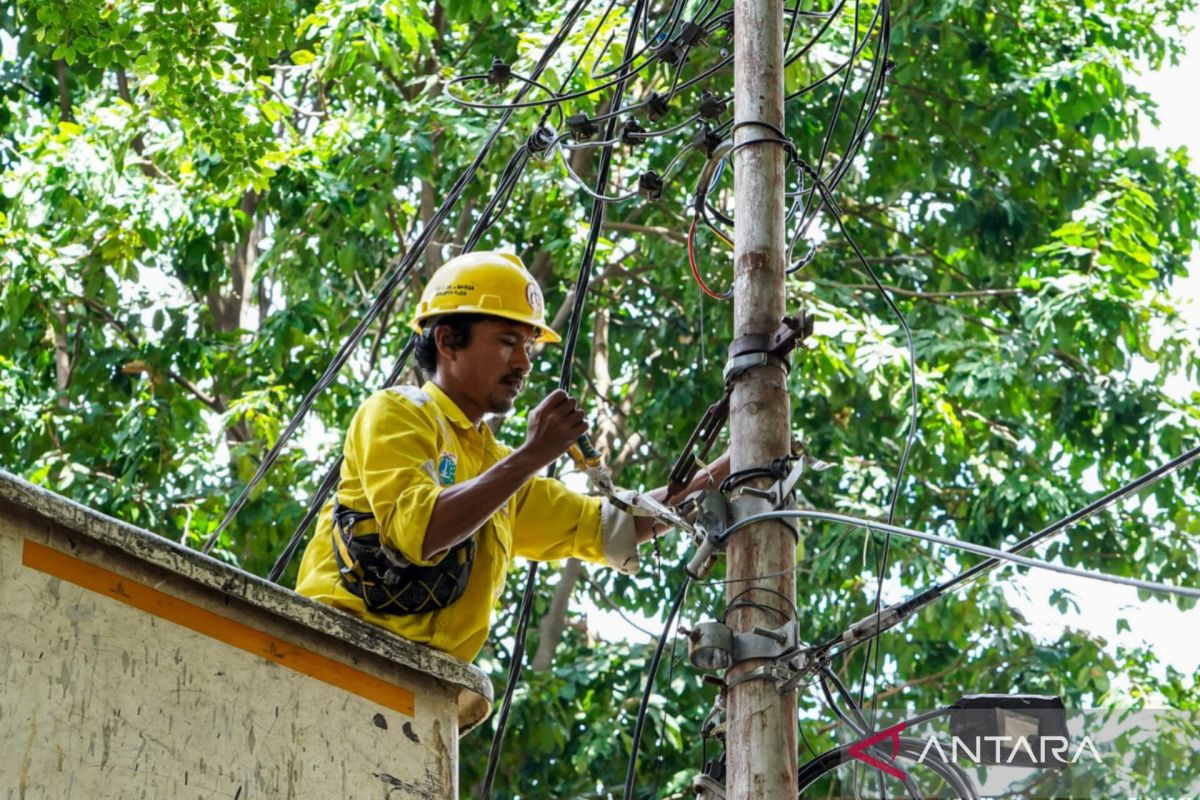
(761, 733)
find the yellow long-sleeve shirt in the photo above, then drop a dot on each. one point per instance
(403, 447)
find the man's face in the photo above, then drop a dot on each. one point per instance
(490, 371)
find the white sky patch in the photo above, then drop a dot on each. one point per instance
(8, 46)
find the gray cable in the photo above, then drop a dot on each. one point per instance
(970, 547)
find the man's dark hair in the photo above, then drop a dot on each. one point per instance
(460, 336)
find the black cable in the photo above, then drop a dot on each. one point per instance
(882, 16)
(500, 198)
(574, 326)
(800, 730)
(662, 729)
(514, 676)
(624, 64)
(781, 617)
(860, 726)
(596, 222)
(631, 769)
(912, 430)
(906, 608)
(672, 18)
(729, 59)
(383, 300)
(837, 107)
(556, 98)
(872, 91)
(588, 46)
(539, 141)
(778, 469)
(910, 749)
(330, 481)
(857, 723)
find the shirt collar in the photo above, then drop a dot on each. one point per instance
(446, 405)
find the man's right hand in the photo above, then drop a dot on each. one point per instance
(553, 427)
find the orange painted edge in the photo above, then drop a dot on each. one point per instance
(189, 615)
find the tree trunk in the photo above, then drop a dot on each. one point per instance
(604, 426)
(554, 622)
(62, 359)
(429, 191)
(147, 166)
(236, 309)
(64, 91)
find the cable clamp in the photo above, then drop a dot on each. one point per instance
(709, 784)
(750, 502)
(691, 34)
(582, 127)
(656, 106)
(767, 672)
(631, 133)
(738, 365)
(762, 643)
(650, 185)
(714, 645)
(794, 669)
(672, 54)
(706, 140)
(711, 521)
(760, 347)
(711, 106)
(783, 488)
(499, 74)
(540, 140)
(708, 788)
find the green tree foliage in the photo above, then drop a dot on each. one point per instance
(200, 199)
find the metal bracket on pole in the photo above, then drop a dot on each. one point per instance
(714, 646)
(757, 350)
(708, 788)
(764, 642)
(753, 501)
(794, 670)
(711, 521)
(710, 784)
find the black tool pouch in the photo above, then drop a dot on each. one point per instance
(386, 582)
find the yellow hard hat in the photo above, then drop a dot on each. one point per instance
(490, 283)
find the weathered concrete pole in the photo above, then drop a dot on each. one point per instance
(761, 739)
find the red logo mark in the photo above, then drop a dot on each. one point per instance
(858, 750)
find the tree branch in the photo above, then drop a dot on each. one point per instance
(147, 165)
(133, 342)
(923, 295)
(651, 230)
(554, 621)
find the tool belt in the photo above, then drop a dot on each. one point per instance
(388, 583)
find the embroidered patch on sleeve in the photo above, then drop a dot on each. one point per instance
(447, 467)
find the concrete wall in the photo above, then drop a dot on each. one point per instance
(131, 667)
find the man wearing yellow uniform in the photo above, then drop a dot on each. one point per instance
(431, 509)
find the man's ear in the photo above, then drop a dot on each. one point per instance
(443, 337)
